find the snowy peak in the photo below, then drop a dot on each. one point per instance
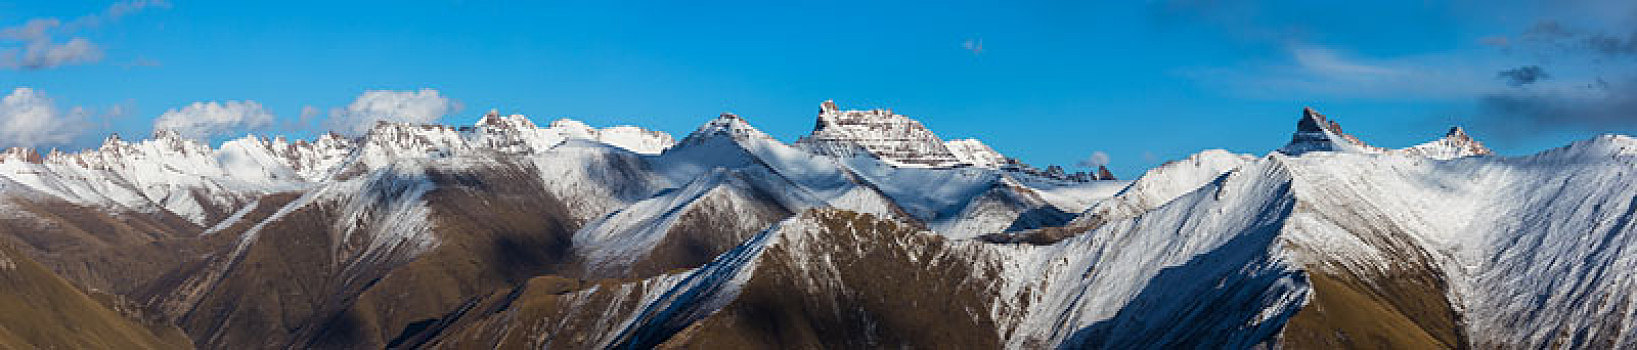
(974, 152)
(1455, 144)
(1315, 132)
(515, 121)
(726, 125)
(631, 138)
(511, 134)
(893, 138)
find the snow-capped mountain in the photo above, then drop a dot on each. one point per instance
(871, 232)
(894, 138)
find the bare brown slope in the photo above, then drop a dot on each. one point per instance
(1342, 316)
(496, 230)
(304, 283)
(891, 287)
(549, 312)
(98, 248)
(711, 225)
(39, 309)
(1406, 306)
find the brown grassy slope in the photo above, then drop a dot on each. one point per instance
(1342, 316)
(39, 309)
(496, 230)
(283, 278)
(300, 285)
(175, 292)
(98, 248)
(1364, 308)
(709, 228)
(881, 294)
(548, 312)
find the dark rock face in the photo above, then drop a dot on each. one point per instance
(1104, 174)
(1315, 132)
(1312, 121)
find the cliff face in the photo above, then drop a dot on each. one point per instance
(893, 138)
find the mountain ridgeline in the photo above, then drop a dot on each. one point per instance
(871, 232)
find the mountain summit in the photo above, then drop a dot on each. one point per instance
(1455, 144)
(894, 138)
(1315, 132)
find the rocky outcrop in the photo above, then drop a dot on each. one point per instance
(20, 154)
(893, 138)
(1455, 144)
(1314, 132)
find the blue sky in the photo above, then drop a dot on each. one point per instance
(1055, 82)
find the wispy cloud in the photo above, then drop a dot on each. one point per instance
(423, 106)
(29, 118)
(205, 119)
(1524, 75)
(1553, 35)
(1313, 71)
(36, 44)
(973, 45)
(1097, 159)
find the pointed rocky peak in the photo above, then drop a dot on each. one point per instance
(1312, 121)
(1315, 132)
(1458, 136)
(113, 140)
(491, 119)
(1455, 144)
(726, 125)
(891, 137)
(1104, 174)
(1457, 132)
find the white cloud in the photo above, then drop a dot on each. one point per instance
(33, 45)
(1328, 62)
(424, 106)
(204, 119)
(29, 118)
(1097, 159)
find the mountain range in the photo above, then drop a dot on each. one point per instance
(870, 232)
